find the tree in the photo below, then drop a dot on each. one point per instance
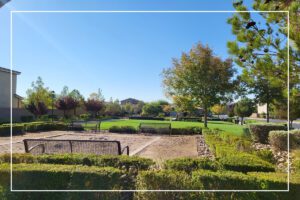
(78, 98)
(94, 106)
(38, 98)
(261, 50)
(152, 109)
(66, 103)
(202, 77)
(37, 109)
(113, 108)
(218, 109)
(128, 108)
(244, 108)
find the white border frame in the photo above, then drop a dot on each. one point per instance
(146, 11)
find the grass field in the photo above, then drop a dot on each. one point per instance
(225, 126)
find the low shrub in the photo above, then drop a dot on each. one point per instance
(122, 129)
(155, 128)
(17, 129)
(121, 162)
(191, 119)
(265, 155)
(278, 139)
(295, 135)
(186, 131)
(59, 177)
(260, 132)
(44, 126)
(190, 164)
(148, 118)
(245, 162)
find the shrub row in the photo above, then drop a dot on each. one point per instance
(260, 132)
(191, 119)
(235, 153)
(156, 130)
(191, 164)
(21, 128)
(210, 180)
(186, 131)
(59, 177)
(148, 118)
(123, 129)
(121, 162)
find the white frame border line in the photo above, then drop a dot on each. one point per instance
(147, 11)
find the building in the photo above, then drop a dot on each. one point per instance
(5, 89)
(130, 101)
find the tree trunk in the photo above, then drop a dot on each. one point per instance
(268, 114)
(242, 120)
(205, 117)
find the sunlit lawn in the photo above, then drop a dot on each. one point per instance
(225, 126)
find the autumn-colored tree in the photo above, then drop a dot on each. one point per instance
(200, 75)
(218, 109)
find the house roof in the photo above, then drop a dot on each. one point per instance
(18, 96)
(2, 69)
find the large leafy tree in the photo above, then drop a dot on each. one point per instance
(200, 75)
(38, 98)
(152, 109)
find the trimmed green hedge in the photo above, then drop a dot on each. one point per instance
(121, 162)
(210, 180)
(278, 139)
(186, 131)
(190, 164)
(21, 128)
(244, 162)
(17, 129)
(122, 129)
(260, 132)
(70, 177)
(296, 137)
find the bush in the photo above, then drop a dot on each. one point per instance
(59, 177)
(244, 162)
(295, 137)
(278, 139)
(190, 164)
(148, 118)
(121, 162)
(186, 131)
(266, 155)
(17, 129)
(260, 132)
(191, 119)
(44, 126)
(122, 129)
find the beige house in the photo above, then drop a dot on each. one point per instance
(5, 89)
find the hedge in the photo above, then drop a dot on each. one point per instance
(17, 129)
(186, 131)
(122, 129)
(296, 137)
(191, 119)
(260, 132)
(70, 177)
(278, 139)
(245, 162)
(21, 128)
(148, 118)
(190, 164)
(121, 162)
(210, 180)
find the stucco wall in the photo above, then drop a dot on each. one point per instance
(5, 89)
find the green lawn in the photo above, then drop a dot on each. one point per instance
(226, 126)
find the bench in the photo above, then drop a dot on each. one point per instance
(53, 146)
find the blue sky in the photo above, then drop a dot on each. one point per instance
(121, 53)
